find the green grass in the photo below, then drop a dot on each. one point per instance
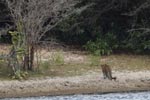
(94, 60)
(54, 68)
(65, 69)
(5, 71)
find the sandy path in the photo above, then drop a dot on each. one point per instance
(89, 83)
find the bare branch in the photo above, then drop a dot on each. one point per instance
(39, 16)
(139, 9)
(144, 30)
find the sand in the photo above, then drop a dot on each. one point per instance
(91, 82)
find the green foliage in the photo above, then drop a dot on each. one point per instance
(18, 44)
(146, 45)
(17, 53)
(121, 17)
(103, 45)
(0, 38)
(71, 31)
(20, 75)
(98, 47)
(138, 42)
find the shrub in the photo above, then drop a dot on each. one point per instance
(138, 42)
(103, 45)
(98, 47)
(20, 75)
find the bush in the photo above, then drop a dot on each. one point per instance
(138, 42)
(98, 47)
(103, 45)
(20, 75)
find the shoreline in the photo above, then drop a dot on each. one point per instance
(86, 84)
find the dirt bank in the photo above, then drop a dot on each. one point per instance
(91, 82)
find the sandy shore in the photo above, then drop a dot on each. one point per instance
(89, 83)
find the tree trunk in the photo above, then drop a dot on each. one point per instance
(26, 60)
(28, 63)
(31, 57)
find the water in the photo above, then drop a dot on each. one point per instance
(111, 96)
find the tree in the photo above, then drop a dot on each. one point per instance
(4, 21)
(124, 21)
(32, 19)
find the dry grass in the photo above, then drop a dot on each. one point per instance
(71, 63)
(128, 62)
(4, 48)
(92, 64)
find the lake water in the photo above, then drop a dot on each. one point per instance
(111, 96)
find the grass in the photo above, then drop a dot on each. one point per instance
(5, 71)
(65, 69)
(128, 62)
(117, 62)
(57, 58)
(56, 65)
(94, 60)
